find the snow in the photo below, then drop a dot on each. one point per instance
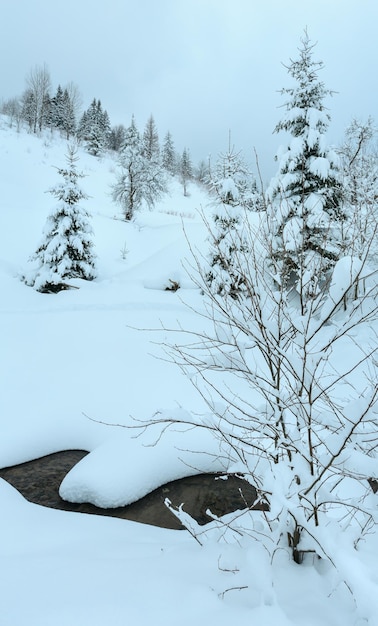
(81, 366)
(99, 477)
(320, 166)
(292, 233)
(345, 271)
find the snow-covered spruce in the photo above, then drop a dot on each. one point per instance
(234, 190)
(169, 160)
(66, 250)
(226, 244)
(94, 128)
(61, 112)
(185, 170)
(231, 182)
(305, 198)
(150, 141)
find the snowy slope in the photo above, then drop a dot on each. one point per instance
(79, 352)
(74, 362)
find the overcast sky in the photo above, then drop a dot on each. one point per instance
(201, 67)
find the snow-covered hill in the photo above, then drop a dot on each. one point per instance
(79, 352)
(74, 362)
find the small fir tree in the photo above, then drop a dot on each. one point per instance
(68, 121)
(169, 155)
(66, 250)
(231, 182)
(186, 170)
(94, 128)
(228, 184)
(61, 112)
(29, 109)
(305, 197)
(202, 172)
(56, 109)
(117, 137)
(150, 141)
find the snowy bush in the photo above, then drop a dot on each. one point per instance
(359, 162)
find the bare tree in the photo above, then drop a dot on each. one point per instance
(292, 398)
(359, 160)
(75, 98)
(138, 179)
(38, 87)
(12, 108)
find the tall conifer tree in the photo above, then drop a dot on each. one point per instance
(305, 197)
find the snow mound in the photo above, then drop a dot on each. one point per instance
(125, 468)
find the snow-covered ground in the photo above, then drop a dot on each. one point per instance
(74, 366)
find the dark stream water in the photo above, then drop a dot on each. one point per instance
(39, 480)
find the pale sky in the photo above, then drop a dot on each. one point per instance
(201, 67)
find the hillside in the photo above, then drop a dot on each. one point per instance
(77, 365)
(78, 347)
